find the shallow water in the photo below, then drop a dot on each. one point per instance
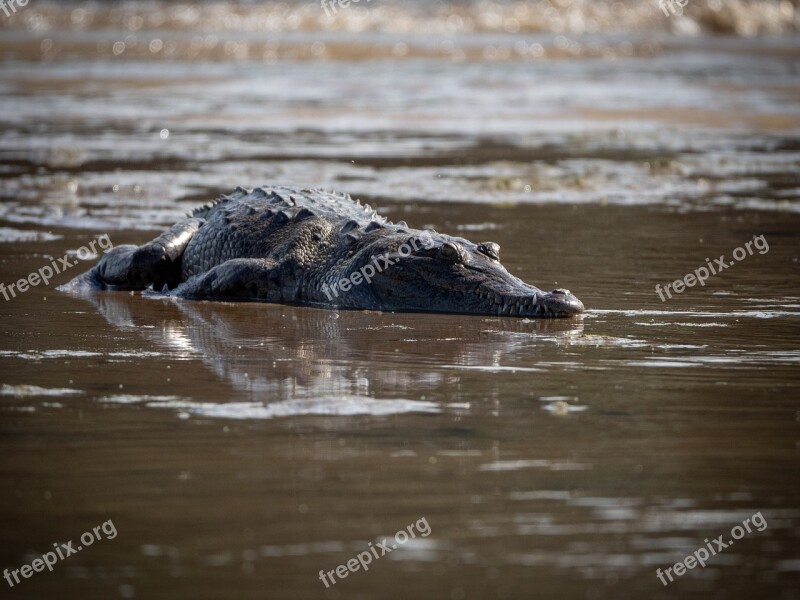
(241, 448)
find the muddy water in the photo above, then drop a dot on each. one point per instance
(239, 449)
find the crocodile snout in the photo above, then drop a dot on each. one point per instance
(561, 303)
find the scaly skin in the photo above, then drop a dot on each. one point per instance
(312, 247)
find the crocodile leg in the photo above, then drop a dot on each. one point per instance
(157, 263)
(236, 279)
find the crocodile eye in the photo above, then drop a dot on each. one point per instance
(449, 251)
(490, 249)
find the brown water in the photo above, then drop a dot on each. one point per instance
(239, 449)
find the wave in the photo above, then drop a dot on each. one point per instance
(567, 17)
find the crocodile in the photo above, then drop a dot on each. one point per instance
(320, 248)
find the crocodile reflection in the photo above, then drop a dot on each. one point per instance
(278, 352)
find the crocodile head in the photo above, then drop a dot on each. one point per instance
(448, 274)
